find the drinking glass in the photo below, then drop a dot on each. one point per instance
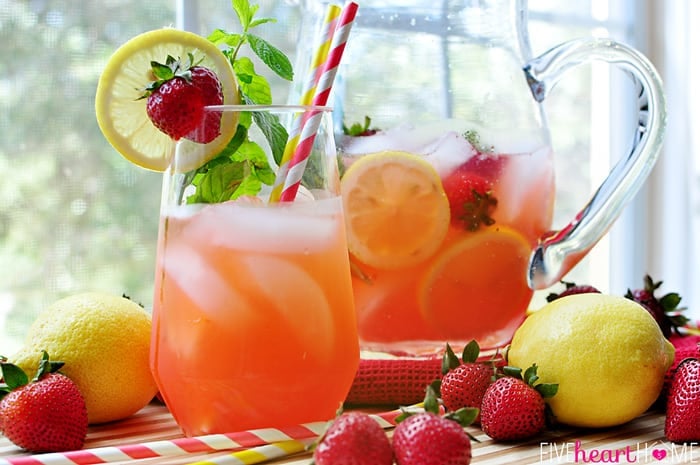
(253, 317)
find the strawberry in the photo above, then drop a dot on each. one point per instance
(427, 438)
(687, 346)
(464, 383)
(354, 438)
(683, 408)
(399, 381)
(45, 414)
(571, 289)
(513, 408)
(212, 94)
(470, 197)
(176, 100)
(665, 309)
(486, 162)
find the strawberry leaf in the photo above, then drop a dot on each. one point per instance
(530, 376)
(547, 389)
(13, 376)
(430, 403)
(515, 372)
(449, 360)
(464, 416)
(471, 352)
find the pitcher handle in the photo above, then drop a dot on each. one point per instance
(559, 251)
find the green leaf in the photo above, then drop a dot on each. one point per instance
(13, 375)
(259, 21)
(465, 416)
(430, 403)
(471, 352)
(513, 371)
(274, 132)
(275, 59)
(547, 389)
(449, 360)
(245, 12)
(221, 37)
(530, 375)
(255, 88)
(670, 301)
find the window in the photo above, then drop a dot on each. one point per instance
(75, 216)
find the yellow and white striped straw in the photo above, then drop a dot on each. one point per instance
(258, 454)
(308, 90)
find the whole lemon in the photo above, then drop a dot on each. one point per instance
(104, 341)
(606, 352)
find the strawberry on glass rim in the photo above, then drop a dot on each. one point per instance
(179, 70)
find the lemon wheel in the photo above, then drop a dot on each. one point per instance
(477, 284)
(396, 210)
(121, 114)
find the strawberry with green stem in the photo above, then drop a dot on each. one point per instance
(664, 309)
(464, 382)
(177, 97)
(471, 198)
(428, 438)
(44, 414)
(513, 406)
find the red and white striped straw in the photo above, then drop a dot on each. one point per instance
(308, 133)
(314, 73)
(234, 442)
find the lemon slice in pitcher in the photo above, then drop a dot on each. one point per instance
(121, 114)
(396, 210)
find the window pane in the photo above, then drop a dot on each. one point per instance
(74, 216)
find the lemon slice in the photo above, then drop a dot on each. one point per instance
(396, 210)
(122, 116)
(485, 271)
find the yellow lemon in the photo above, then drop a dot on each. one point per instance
(104, 341)
(606, 352)
(396, 210)
(121, 113)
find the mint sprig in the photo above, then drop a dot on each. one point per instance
(242, 167)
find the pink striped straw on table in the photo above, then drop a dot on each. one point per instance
(308, 132)
(308, 90)
(248, 445)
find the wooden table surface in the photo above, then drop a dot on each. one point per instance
(640, 441)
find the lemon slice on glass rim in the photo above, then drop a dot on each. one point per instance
(396, 211)
(121, 114)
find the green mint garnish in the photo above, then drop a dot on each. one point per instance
(242, 167)
(475, 140)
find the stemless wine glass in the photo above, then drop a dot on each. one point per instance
(253, 318)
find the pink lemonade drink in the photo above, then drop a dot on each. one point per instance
(440, 230)
(260, 328)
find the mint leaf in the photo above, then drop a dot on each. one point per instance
(221, 37)
(274, 132)
(271, 56)
(245, 12)
(255, 88)
(243, 166)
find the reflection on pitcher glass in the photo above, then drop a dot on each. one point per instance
(448, 188)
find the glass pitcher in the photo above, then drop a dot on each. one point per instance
(448, 175)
